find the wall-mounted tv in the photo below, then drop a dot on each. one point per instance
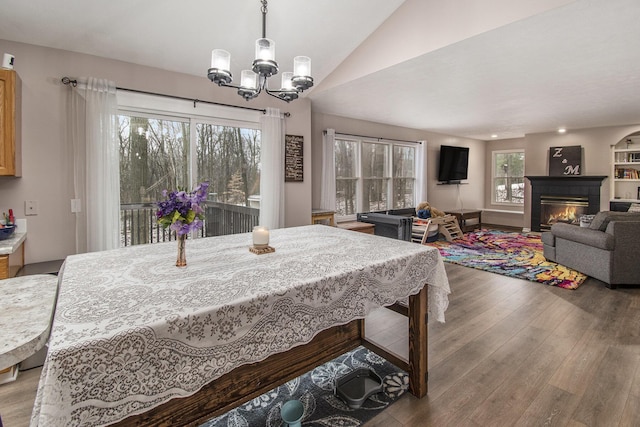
(454, 163)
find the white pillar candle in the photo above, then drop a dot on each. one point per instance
(260, 236)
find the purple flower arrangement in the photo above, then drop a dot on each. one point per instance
(181, 211)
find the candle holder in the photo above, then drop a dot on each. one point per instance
(261, 241)
(262, 250)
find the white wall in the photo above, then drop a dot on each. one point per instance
(46, 157)
(443, 197)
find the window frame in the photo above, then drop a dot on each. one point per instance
(494, 177)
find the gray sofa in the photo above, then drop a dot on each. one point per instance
(608, 250)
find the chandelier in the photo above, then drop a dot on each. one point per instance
(254, 81)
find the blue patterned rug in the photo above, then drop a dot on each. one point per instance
(315, 390)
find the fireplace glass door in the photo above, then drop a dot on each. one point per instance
(556, 209)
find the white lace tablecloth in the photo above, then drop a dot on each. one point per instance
(132, 331)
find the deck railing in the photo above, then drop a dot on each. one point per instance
(138, 223)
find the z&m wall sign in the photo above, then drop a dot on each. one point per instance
(293, 159)
(565, 160)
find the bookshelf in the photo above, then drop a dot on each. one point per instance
(625, 170)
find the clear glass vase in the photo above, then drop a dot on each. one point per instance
(182, 256)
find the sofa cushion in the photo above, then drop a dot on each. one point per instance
(586, 236)
(603, 218)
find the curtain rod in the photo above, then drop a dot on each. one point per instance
(74, 83)
(374, 137)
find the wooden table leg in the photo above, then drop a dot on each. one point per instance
(418, 369)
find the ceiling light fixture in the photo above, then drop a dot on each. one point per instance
(562, 130)
(494, 136)
(254, 81)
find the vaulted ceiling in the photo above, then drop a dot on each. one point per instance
(471, 68)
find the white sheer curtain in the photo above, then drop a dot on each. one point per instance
(272, 170)
(94, 129)
(328, 184)
(421, 172)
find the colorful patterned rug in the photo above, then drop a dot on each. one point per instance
(510, 254)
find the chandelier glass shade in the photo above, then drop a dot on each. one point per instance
(254, 81)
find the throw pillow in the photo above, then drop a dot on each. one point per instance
(598, 220)
(602, 219)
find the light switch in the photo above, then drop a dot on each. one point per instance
(31, 207)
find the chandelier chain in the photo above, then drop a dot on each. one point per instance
(264, 18)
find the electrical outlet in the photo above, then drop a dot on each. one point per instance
(31, 207)
(75, 206)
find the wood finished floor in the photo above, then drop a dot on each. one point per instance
(518, 353)
(511, 353)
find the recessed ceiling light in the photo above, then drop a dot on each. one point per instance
(494, 136)
(562, 130)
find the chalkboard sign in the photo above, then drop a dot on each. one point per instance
(565, 160)
(293, 159)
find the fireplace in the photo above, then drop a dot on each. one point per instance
(554, 209)
(563, 199)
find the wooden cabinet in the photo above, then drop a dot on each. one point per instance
(625, 173)
(11, 263)
(10, 124)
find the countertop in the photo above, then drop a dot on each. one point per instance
(26, 309)
(9, 246)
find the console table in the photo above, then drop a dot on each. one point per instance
(463, 215)
(319, 215)
(361, 227)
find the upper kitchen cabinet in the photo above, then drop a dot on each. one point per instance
(10, 124)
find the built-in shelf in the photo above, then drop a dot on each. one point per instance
(625, 170)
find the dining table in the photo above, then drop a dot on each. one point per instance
(136, 340)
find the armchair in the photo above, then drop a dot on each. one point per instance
(607, 250)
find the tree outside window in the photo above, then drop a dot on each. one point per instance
(375, 176)
(404, 176)
(346, 177)
(508, 177)
(229, 158)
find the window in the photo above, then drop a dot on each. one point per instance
(404, 176)
(508, 177)
(373, 176)
(229, 158)
(346, 177)
(175, 150)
